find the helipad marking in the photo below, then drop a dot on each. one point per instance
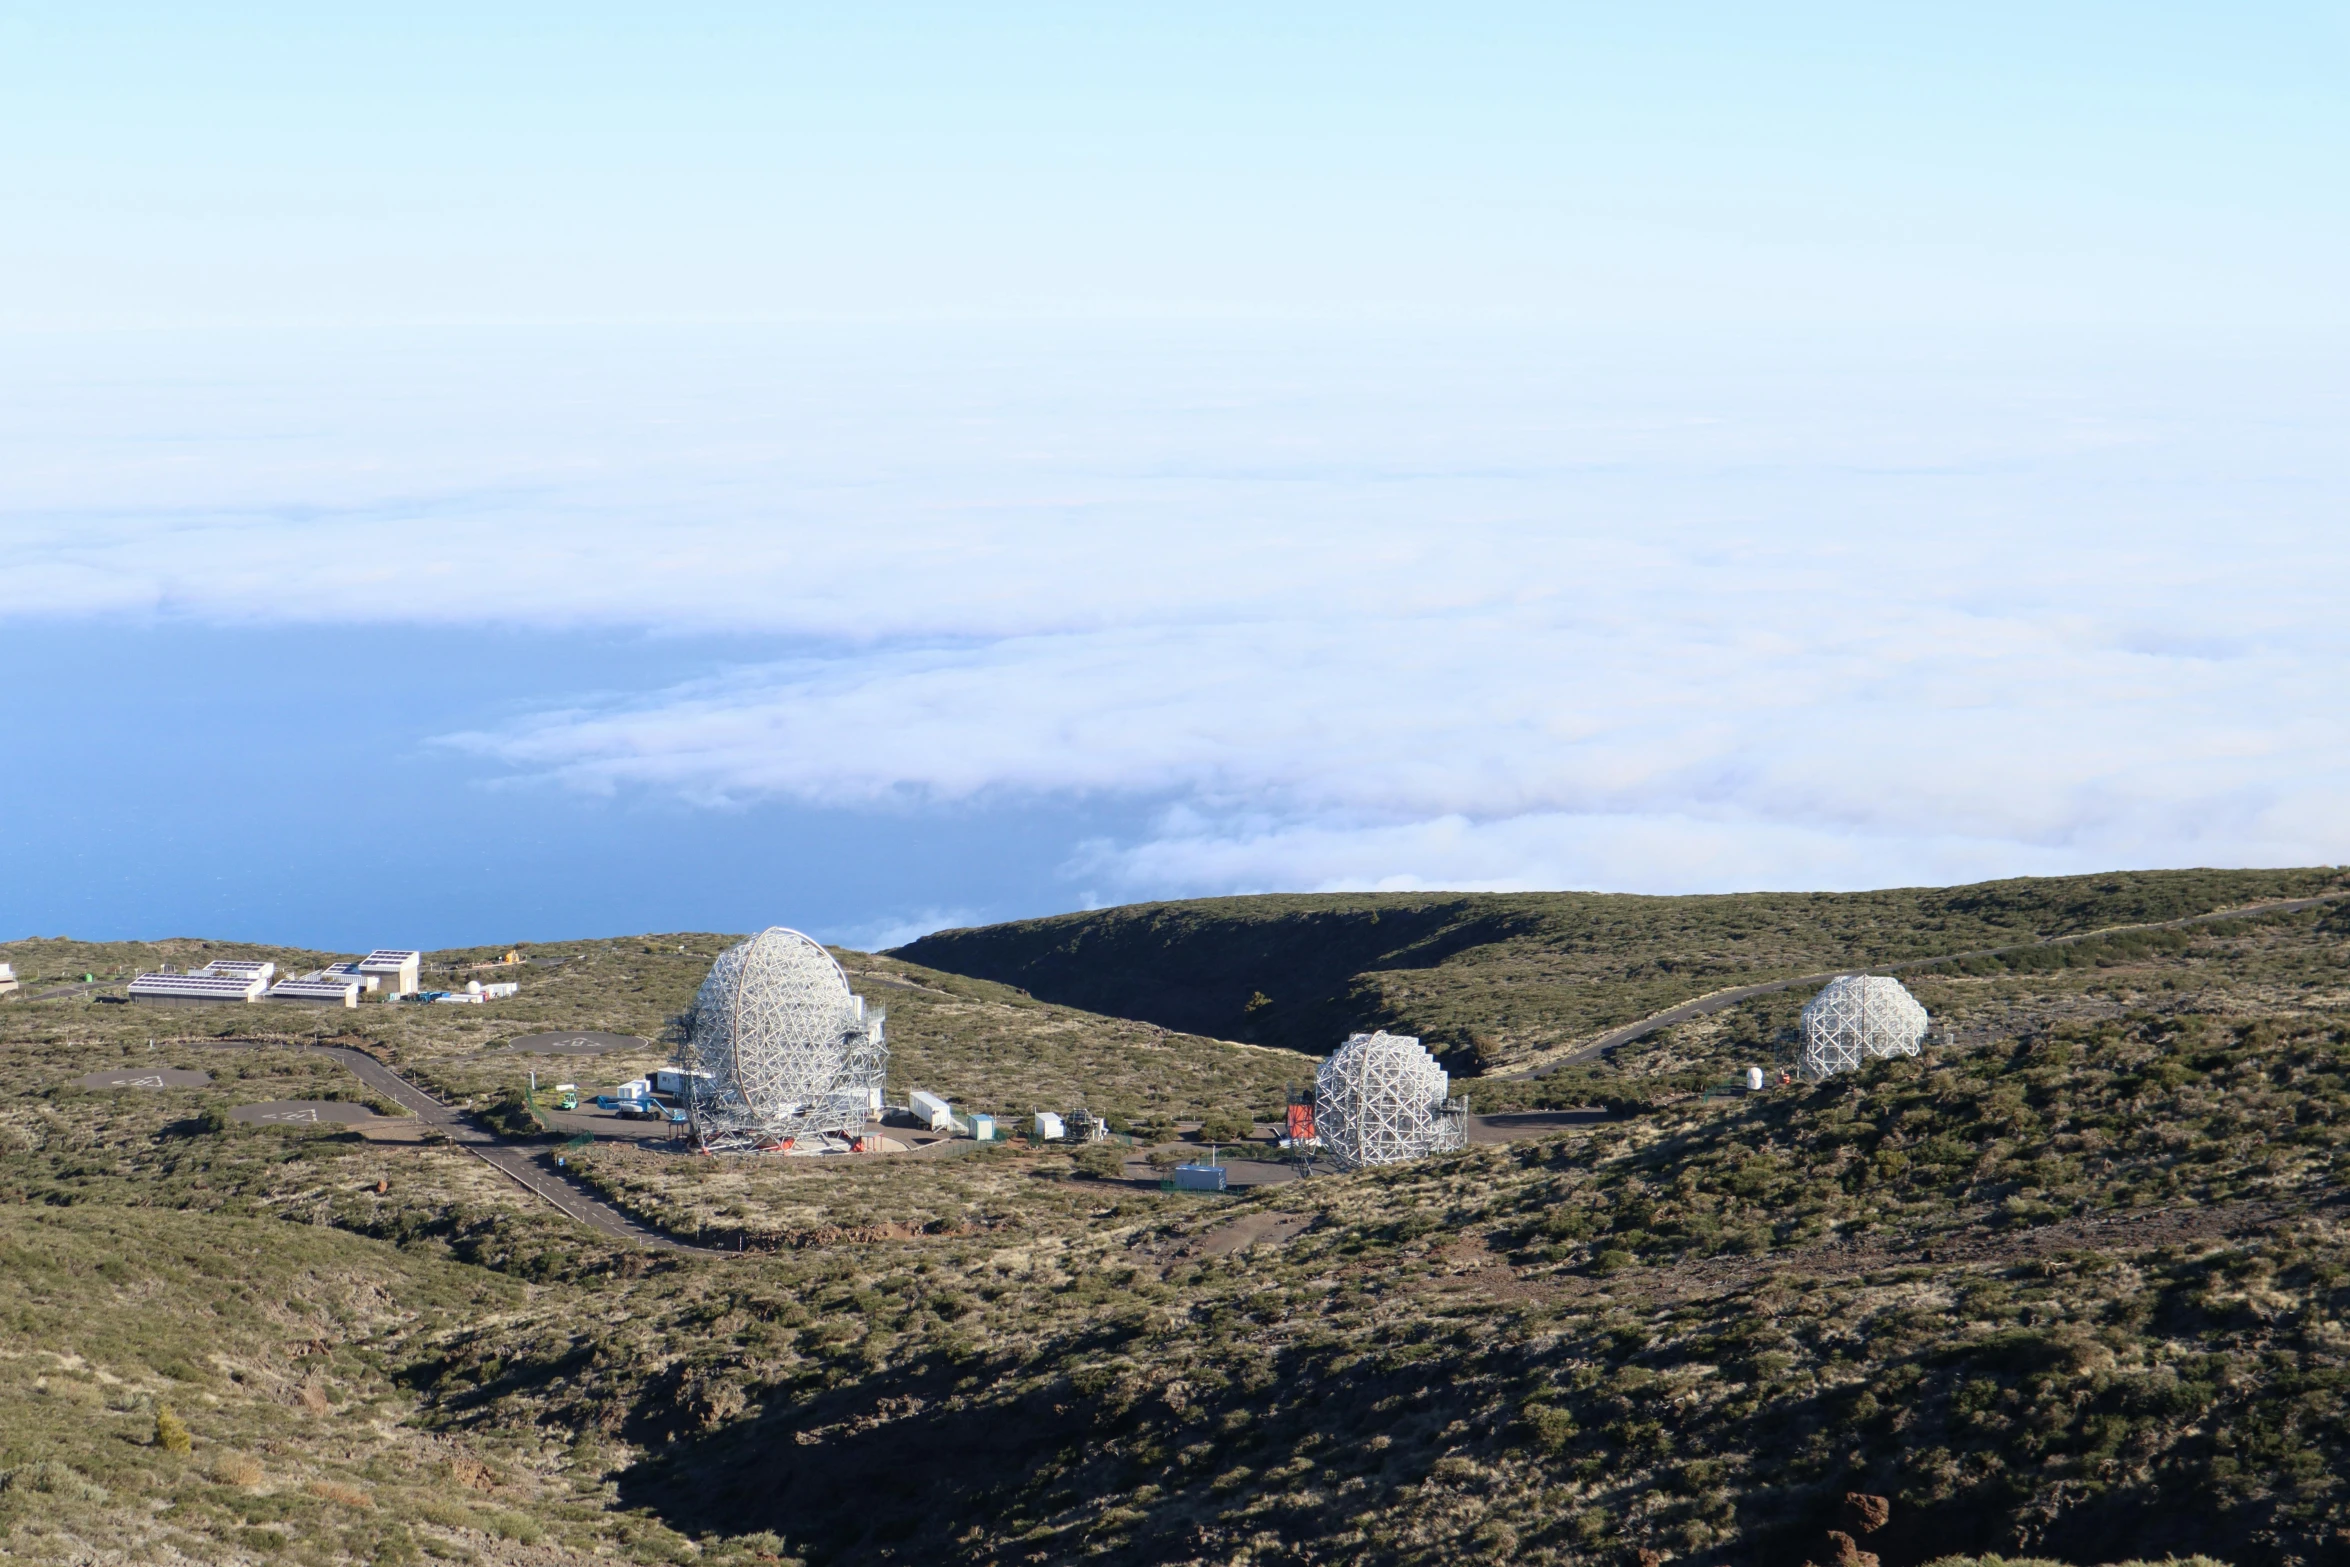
(281, 1112)
(132, 1077)
(581, 1042)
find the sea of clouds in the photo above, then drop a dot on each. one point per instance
(1341, 609)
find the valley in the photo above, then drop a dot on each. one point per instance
(2069, 1285)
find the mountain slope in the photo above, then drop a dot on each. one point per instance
(2071, 1285)
(1498, 979)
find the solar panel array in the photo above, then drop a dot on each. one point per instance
(239, 968)
(195, 987)
(340, 991)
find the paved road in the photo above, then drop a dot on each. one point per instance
(74, 989)
(532, 1171)
(1721, 999)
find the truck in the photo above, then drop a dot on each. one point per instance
(930, 1110)
(632, 1099)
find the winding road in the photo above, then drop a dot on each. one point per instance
(530, 1172)
(534, 1174)
(1719, 1000)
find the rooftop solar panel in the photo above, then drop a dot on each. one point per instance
(315, 989)
(218, 987)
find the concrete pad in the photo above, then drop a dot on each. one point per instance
(146, 1077)
(303, 1112)
(1242, 1173)
(584, 1043)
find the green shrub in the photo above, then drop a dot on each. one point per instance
(171, 1432)
(51, 1478)
(1225, 1126)
(521, 1528)
(1550, 1427)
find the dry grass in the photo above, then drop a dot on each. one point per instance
(1687, 1331)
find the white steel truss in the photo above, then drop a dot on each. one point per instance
(1380, 1099)
(778, 1050)
(1856, 1018)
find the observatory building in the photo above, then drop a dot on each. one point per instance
(778, 1050)
(1380, 1099)
(1858, 1017)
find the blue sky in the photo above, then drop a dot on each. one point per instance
(497, 473)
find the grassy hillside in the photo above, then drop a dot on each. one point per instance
(986, 1046)
(2072, 1288)
(1497, 980)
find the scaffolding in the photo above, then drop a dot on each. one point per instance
(1856, 1018)
(778, 1052)
(1381, 1099)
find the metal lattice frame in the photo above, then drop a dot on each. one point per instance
(1380, 1099)
(1856, 1018)
(791, 1055)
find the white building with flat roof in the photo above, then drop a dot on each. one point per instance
(317, 991)
(196, 988)
(349, 969)
(241, 968)
(7, 978)
(396, 971)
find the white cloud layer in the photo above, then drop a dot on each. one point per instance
(1393, 613)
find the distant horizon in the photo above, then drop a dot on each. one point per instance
(1337, 893)
(918, 468)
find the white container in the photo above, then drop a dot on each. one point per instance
(983, 1128)
(1049, 1127)
(1199, 1177)
(931, 1111)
